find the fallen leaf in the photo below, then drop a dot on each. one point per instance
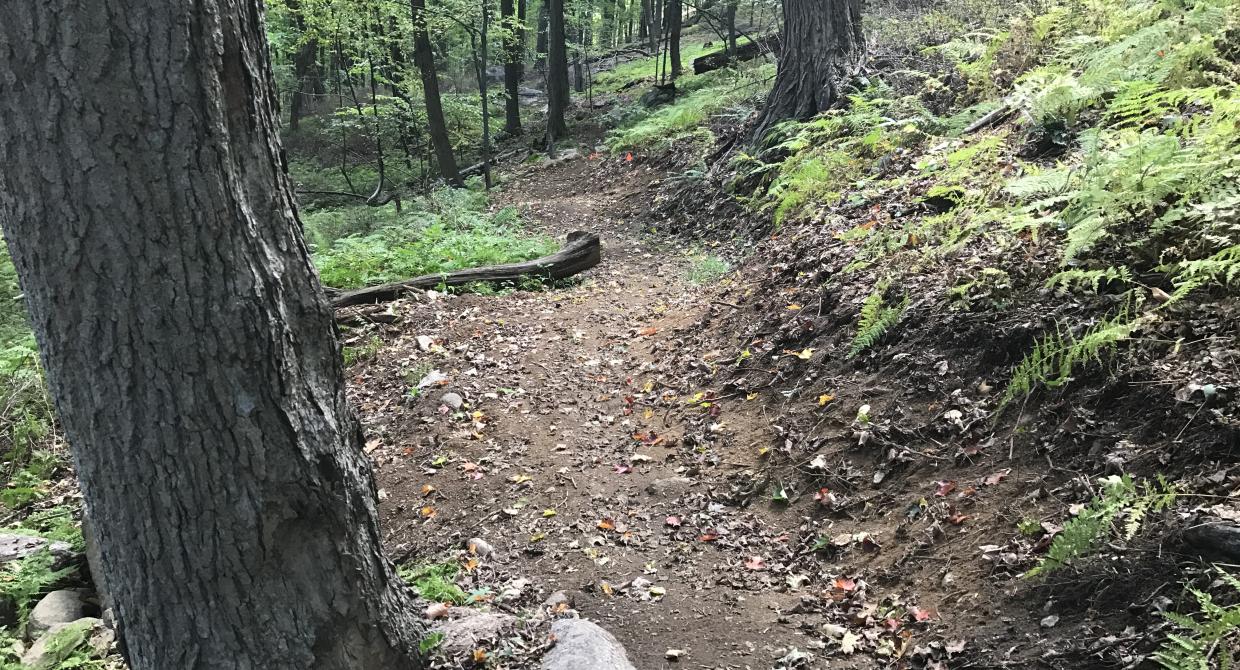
(427, 489)
(428, 512)
(755, 563)
(793, 307)
(848, 643)
(941, 489)
(647, 332)
(673, 521)
(480, 655)
(548, 513)
(824, 399)
(607, 524)
(997, 477)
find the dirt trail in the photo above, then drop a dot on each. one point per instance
(576, 455)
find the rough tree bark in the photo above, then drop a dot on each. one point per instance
(823, 46)
(514, 62)
(557, 70)
(187, 342)
(437, 127)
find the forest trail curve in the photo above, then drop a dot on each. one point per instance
(560, 459)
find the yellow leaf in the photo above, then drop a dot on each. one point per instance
(805, 354)
(538, 537)
(548, 513)
(649, 386)
(606, 588)
(762, 451)
(824, 399)
(480, 655)
(520, 479)
(427, 512)
(793, 307)
(471, 565)
(751, 396)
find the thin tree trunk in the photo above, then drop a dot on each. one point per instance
(424, 58)
(188, 344)
(481, 61)
(514, 63)
(557, 70)
(730, 20)
(823, 46)
(541, 44)
(675, 14)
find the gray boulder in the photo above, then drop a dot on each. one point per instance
(582, 645)
(69, 636)
(55, 609)
(14, 547)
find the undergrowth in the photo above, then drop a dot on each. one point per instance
(448, 230)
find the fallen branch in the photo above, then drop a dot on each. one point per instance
(990, 118)
(581, 253)
(744, 51)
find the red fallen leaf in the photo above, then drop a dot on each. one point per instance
(891, 624)
(957, 519)
(943, 488)
(709, 536)
(755, 563)
(715, 410)
(647, 331)
(967, 492)
(997, 477)
(919, 614)
(844, 584)
(673, 521)
(607, 524)
(628, 157)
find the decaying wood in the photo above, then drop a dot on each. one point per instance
(992, 117)
(581, 253)
(744, 52)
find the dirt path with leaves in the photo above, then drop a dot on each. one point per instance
(577, 453)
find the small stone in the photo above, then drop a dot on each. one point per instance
(42, 655)
(1050, 621)
(557, 602)
(669, 486)
(56, 608)
(675, 654)
(436, 611)
(452, 400)
(480, 547)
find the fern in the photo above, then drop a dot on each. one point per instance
(875, 320)
(1211, 638)
(1121, 498)
(1056, 356)
(1077, 279)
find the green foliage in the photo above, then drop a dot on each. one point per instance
(1122, 502)
(1093, 280)
(1211, 638)
(701, 98)
(706, 269)
(1057, 355)
(23, 581)
(355, 354)
(448, 230)
(434, 582)
(875, 320)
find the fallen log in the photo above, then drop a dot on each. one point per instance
(744, 51)
(581, 253)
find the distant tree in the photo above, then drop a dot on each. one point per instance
(557, 69)
(187, 342)
(305, 66)
(823, 46)
(673, 21)
(424, 58)
(513, 14)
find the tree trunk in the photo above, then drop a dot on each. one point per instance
(643, 28)
(514, 63)
(305, 74)
(424, 58)
(730, 23)
(187, 342)
(540, 41)
(674, 19)
(823, 46)
(557, 70)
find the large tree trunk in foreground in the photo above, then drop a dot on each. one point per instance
(437, 127)
(580, 254)
(187, 342)
(823, 46)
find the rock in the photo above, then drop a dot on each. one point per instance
(479, 547)
(671, 486)
(452, 400)
(558, 602)
(14, 547)
(57, 608)
(566, 155)
(1050, 621)
(582, 645)
(1215, 538)
(425, 342)
(463, 635)
(437, 611)
(43, 655)
(434, 377)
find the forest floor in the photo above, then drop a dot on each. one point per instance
(585, 457)
(578, 487)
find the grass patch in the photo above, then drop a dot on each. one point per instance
(435, 581)
(448, 230)
(706, 268)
